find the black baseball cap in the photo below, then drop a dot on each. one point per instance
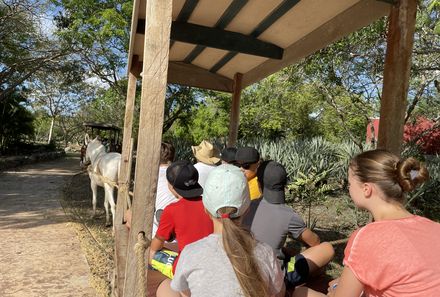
(228, 154)
(272, 176)
(247, 155)
(184, 177)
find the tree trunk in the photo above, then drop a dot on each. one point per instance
(51, 129)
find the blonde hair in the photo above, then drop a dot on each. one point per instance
(239, 245)
(394, 176)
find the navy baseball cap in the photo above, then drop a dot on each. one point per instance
(184, 178)
(247, 155)
(273, 178)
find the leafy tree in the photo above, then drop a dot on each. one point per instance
(58, 93)
(15, 121)
(274, 108)
(98, 31)
(208, 119)
(24, 49)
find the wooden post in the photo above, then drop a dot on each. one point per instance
(235, 110)
(121, 232)
(154, 82)
(396, 74)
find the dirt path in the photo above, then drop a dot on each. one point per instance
(40, 254)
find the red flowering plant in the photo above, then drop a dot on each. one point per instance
(425, 134)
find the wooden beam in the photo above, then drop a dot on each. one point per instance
(393, 104)
(133, 28)
(234, 120)
(154, 81)
(186, 12)
(121, 232)
(227, 17)
(191, 75)
(221, 39)
(268, 21)
(359, 15)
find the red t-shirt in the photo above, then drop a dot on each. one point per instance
(187, 220)
(396, 258)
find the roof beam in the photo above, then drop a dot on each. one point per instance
(221, 39)
(228, 15)
(268, 21)
(185, 12)
(191, 75)
(340, 26)
(225, 40)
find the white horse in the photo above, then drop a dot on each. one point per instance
(103, 172)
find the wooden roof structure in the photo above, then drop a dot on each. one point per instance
(102, 126)
(211, 41)
(227, 45)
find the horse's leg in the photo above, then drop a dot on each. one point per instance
(111, 201)
(94, 188)
(108, 200)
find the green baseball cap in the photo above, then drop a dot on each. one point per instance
(226, 186)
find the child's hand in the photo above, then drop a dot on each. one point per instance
(332, 286)
(151, 256)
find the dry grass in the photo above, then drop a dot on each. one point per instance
(334, 219)
(96, 240)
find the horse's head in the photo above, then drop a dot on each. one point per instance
(94, 148)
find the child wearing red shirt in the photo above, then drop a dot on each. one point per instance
(184, 220)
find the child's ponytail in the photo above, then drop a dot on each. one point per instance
(239, 246)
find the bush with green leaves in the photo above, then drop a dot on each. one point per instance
(16, 123)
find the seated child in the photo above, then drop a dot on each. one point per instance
(184, 220)
(271, 220)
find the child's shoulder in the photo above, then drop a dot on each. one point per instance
(203, 244)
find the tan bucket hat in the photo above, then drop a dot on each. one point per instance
(206, 153)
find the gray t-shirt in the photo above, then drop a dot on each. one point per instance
(205, 269)
(271, 223)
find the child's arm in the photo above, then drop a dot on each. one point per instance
(309, 237)
(156, 245)
(347, 286)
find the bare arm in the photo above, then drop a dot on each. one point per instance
(348, 285)
(309, 237)
(185, 293)
(156, 245)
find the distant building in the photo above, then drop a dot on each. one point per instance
(372, 131)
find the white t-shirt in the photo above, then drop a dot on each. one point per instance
(205, 269)
(203, 170)
(163, 195)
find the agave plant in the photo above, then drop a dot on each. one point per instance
(311, 188)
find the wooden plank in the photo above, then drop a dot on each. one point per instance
(235, 111)
(229, 14)
(134, 18)
(191, 75)
(271, 18)
(359, 15)
(121, 232)
(221, 39)
(154, 81)
(400, 41)
(186, 12)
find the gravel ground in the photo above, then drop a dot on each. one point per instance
(40, 253)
